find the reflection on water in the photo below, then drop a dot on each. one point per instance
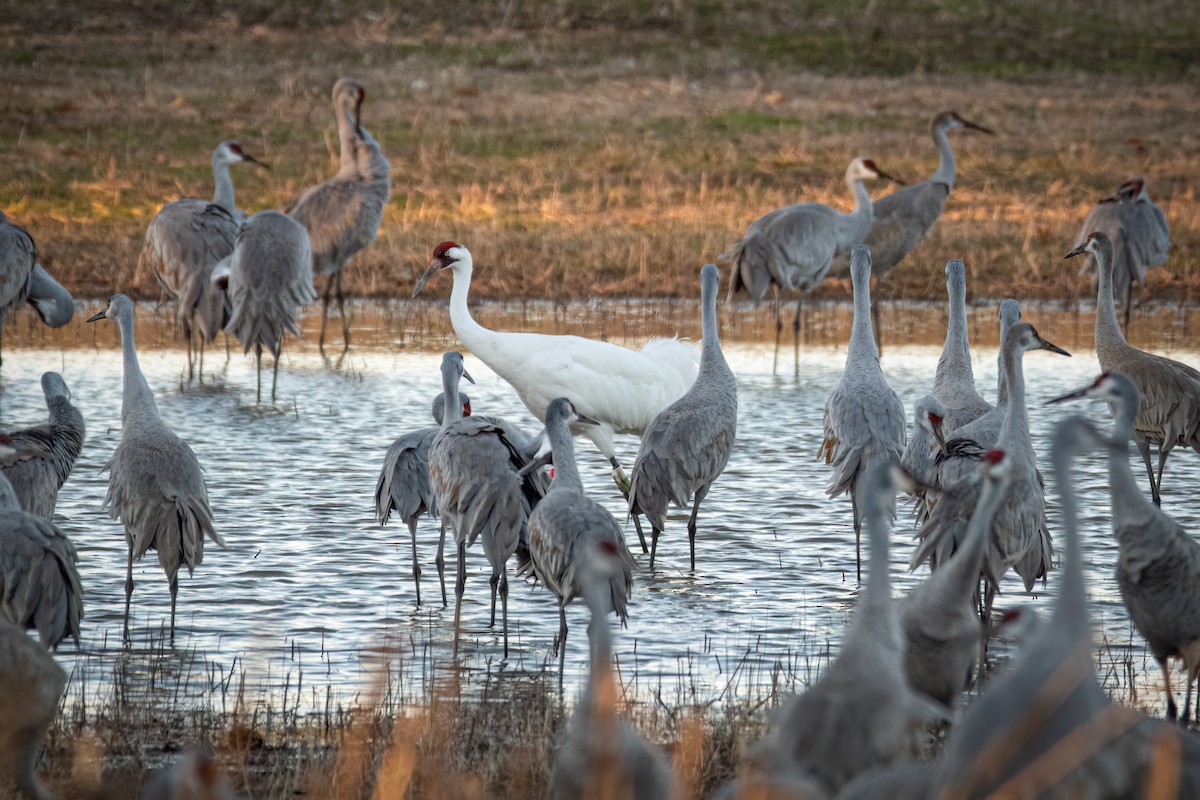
(311, 594)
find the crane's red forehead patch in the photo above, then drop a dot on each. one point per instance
(936, 419)
(1100, 380)
(442, 249)
(235, 147)
(466, 408)
(993, 456)
(869, 164)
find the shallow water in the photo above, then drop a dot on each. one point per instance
(311, 593)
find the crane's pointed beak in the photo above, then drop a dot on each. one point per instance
(97, 315)
(433, 269)
(940, 435)
(1075, 395)
(891, 178)
(467, 375)
(545, 456)
(1053, 348)
(1077, 251)
(976, 127)
(252, 160)
(582, 420)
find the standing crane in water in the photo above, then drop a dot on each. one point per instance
(793, 247)
(1139, 234)
(184, 242)
(1169, 411)
(45, 454)
(342, 215)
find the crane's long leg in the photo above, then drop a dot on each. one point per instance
(857, 533)
(174, 594)
(637, 526)
(504, 605)
(416, 564)
(128, 588)
(1163, 452)
(460, 584)
(258, 373)
(274, 375)
(441, 562)
(495, 582)
(796, 337)
(325, 313)
(1172, 711)
(654, 532)
(700, 495)
(778, 331)
(560, 642)
(341, 298)
(1144, 449)
(200, 369)
(1187, 698)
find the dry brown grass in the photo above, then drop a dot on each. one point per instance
(574, 159)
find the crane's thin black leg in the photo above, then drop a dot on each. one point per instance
(325, 313)
(699, 498)
(416, 564)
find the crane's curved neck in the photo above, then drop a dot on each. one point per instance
(135, 394)
(1108, 330)
(862, 341)
(854, 226)
(566, 473)
(470, 332)
(452, 409)
(1072, 599)
(1016, 419)
(223, 193)
(945, 168)
(956, 352)
(965, 565)
(347, 135)
(1127, 499)
(877, 598)
(712, 358)
(599, 634)
(1001, 381)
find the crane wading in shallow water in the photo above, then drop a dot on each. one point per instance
(24, 280)
(864, 419)
(342, 215)
(184, 242)
(902, 218)
(1169, 412)
(687, 446)
(45, 454)
(793, 248)
(155, 486)
(621, 389)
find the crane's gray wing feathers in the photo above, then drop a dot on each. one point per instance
(39, 582)
(403, 484)
(901, 220)
(342, 216)
(18, 254)
(270, 279)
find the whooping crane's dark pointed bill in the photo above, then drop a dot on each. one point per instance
(98, 315)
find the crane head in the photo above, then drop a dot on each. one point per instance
(865, 168)
(1094, 242)
(952, 119)
(1110, 386)
(1038, 343)
(446, 255)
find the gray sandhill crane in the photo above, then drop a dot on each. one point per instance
(862, 712)
(1045, 728)
(193, 776)
(568, 528)
(31, 685)
(342, 214)
(622, 389)
(39, 582)
(1138, 231)
(403, 486)
(1019, 537)
(155, 486)
(473, 470)
(185, 240)
(928, 432)
(24, 280)
(903, 217)
(45, 454)
(602, 756)
(686, 447)
(864, 419)
(1169, 414)
(942, 631)
(1158, 563)
(269, 278)
(793, 247)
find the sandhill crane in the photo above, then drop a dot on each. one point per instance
(601, 755)
(686, 447)
(1158, 566)
(793, 247)
(942, 631)
(1138, 231)
(45, 454)
(918, 458)
(473, 470)
(342, 214)
(185, 240)
(194, 776)
(155, 486)
(403, 486)
(24, 280)
(31, 684)
(1169, 414)
(862, 711)
(1019, 537)
(39, 582)
(269, 277)
(567, 528)
(864, 419)
(1046, 728)
(622, 389)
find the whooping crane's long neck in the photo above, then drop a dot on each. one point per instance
(470, 332)
(955, 364)
(945, 168)
(562, 444)
(135, 393)
(1127, 499)
(1108, 330)
(862, 342)
(1016, 419)
(343, 107)
(223, 191)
